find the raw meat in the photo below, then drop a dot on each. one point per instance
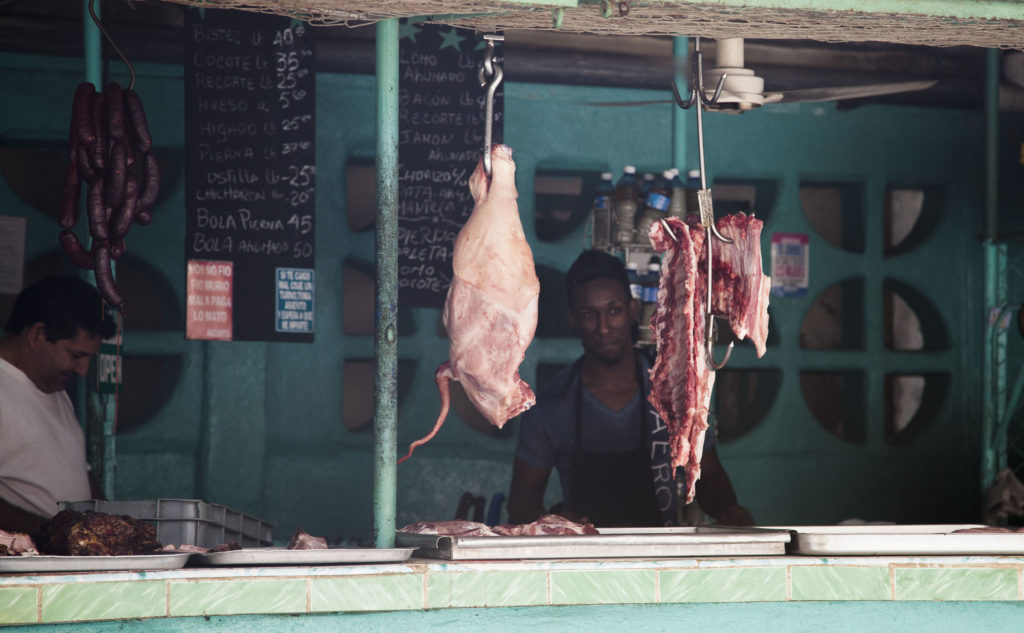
(72, 533)
(547, 525)
(491, 309)
(302, 540)
(741, 289)
(455, 527)
(16, 544)
(681, 380)
(185, 548)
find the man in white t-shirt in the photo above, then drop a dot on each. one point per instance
(54, 330)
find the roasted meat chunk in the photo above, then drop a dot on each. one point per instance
(73, 533)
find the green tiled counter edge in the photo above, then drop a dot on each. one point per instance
(417, 585)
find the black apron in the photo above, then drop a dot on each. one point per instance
(613, 489)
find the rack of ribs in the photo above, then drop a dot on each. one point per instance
(681, 380)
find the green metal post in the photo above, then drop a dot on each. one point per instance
(93, 49)
(681, 62)
(385, 386)
(994, 361)
(102, 405)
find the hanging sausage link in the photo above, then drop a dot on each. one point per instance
(109, 150)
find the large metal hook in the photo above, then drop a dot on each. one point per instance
(697, 82)
(99, 24)
(710, 344)
(489, 75)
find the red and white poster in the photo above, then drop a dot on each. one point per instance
(790, 258)
(208, 310)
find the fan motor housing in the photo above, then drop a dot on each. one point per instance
(742, 90)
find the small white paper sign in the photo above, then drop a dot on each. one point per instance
(12, 254)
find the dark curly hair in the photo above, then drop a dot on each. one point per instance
(63, 304)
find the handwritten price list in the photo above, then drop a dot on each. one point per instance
(440, 140)
(250, 162)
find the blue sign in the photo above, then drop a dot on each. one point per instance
(294, 300)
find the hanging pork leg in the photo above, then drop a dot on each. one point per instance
(491, 309)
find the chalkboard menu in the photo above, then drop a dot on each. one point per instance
(250, 176)
(440, 141)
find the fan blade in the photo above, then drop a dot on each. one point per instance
(621, 104)
(838, 93)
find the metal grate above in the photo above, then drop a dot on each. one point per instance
(995, 24)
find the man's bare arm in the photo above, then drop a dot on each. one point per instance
(526, 495)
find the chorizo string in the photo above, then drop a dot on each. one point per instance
(109, 148)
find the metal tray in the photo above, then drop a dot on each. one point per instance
(610, 543)
(11, 564)
(900, 540)
(283, 556)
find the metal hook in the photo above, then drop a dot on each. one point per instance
(710, 344)
(668, 230)
(131, 69)
(490, 76)
(697, 83)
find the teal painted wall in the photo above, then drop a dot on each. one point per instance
(804, 617)
(259, 427)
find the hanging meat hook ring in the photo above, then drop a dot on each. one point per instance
(489, 75)
(707, 215)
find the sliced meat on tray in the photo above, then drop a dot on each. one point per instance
(547, 525)
(16, 544)
(455, 527)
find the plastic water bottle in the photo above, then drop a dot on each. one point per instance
(601, 211)
(627, 195)
(677, 203)
(692, 187)
(633, 275)
(646, 183)
(649, 299)
(655, 206)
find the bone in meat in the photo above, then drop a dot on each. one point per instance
(681, 380)
(491, 309)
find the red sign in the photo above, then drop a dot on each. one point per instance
(208, 310)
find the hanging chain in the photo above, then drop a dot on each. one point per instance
(490, 75)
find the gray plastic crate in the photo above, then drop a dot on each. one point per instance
(187, 521)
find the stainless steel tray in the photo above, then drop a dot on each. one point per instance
(11, 564)
(900, 540)
(610, 543)
(283, 556)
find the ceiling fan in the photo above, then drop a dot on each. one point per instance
(740, 89)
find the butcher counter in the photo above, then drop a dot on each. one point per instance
(771, 593)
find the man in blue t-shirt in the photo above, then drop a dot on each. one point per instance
(592, 422)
